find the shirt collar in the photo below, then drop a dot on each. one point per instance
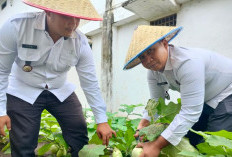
(168, 65)
(40, 23)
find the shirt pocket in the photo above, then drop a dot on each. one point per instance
(27, 54)
(68, 58)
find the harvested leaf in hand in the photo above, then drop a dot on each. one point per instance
(153, 131)
(152, 107)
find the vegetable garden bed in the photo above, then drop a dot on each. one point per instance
(51, 142)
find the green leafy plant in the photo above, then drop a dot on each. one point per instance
(162, 115)
(216, 144)
(125, 128)
(5, 143)
(51, 137)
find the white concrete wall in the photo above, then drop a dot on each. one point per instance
(129, 87)
(207, 24)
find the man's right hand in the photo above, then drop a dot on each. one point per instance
(143, 123)
(4, 120)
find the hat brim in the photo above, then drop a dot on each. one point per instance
(62, 13)
(177, 30)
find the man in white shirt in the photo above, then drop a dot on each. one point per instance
(36, 52)
(203, 78)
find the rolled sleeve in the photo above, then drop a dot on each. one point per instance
(89, 83)
(191, 75)
(7, 57)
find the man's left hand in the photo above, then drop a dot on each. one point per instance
(150, 149)
(104, 132)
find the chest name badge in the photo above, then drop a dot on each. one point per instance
(162, 83)
(29, 46)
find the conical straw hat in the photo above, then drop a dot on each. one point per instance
(82, 9)
(144, 37)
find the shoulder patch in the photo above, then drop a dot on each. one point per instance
(24, 15)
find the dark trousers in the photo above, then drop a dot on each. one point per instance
(25, 122)
(213, 120)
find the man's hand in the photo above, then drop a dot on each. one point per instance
(4, 120)
(143, 123)
(152, 149)
(104, 132)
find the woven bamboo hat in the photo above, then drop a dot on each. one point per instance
(144, 37)
(82, 9)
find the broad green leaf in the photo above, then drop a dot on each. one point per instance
(6, 147)
(121, 121)
(191, 154)
(42, 139)
(185, 145)
(126, 108)
(45, 131)
(135, 123)
(167, 112)
(92, 125)
(91, 132)
(55, 129)
(210, 150)
(122, 147)
(222, 133)
(111, 115)
(116, 127)
(129, 135)
(95, 140)
(173, 151)
(153, 131)
(214, 140)
(116, 140)
(8, 151)
(59, 139)
(92, 150)
(49, 119)
(45, 148)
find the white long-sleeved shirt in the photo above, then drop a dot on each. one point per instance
(50, 62)
(200, 76)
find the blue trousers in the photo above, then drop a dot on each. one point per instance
(25, 122)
